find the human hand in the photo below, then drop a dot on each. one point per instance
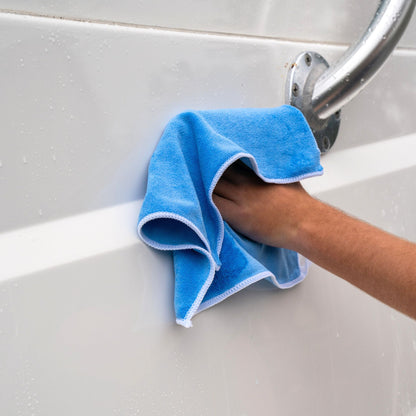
(267, 213)
(286, 216)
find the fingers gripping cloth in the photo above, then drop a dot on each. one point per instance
(212, 261)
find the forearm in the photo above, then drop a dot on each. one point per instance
(379, 263)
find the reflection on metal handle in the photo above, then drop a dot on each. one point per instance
(336, 85)
(341, 82)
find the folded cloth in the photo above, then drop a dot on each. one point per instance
(212, 261)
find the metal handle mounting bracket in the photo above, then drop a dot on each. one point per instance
(320, 90)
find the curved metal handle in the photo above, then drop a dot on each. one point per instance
(336, 85)
(357, 67)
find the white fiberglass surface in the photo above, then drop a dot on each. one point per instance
(270, 18)
(87, 323)
(93, 331)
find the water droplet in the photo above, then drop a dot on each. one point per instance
(1, 164)
(24, 159)
(46, 50)
(362, 80)
(68, 57)
(54, 157)
(40, 212)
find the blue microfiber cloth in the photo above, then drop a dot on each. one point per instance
(211, 260)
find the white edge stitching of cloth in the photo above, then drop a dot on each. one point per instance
(197, 306)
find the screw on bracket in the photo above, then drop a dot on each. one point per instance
(303, 74)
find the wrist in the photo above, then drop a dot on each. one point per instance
(305, 224)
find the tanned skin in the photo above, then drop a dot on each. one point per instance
(377, 262)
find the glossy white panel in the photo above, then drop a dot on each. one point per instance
(98, 337)
(86, 310)
(384, 108)
(331, 21)
(363, 163)
(68, 240)
(71, 239)
(84, 105)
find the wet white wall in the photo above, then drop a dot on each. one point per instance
(86, 310)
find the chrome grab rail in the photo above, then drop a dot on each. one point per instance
(320, 90)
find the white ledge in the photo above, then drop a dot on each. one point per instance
(362, 163)
(39, 247)
(50, 244)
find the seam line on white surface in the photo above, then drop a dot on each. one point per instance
(165, 28)
(182, 30)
